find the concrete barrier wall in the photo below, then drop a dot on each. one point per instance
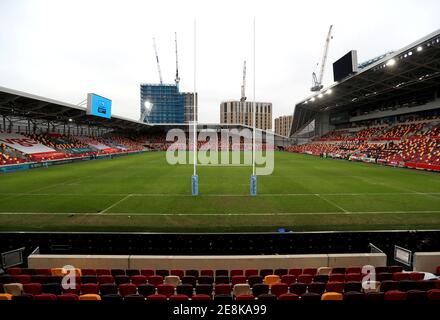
(206, 262)
(79, 261)
(357, 259)
(426, 261)
(228, 262)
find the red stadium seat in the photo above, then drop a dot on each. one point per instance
(295, 271)
(251, 272)
(102, 272)
(417, 276)
(238, 279)
(337, 277)
(353, 277)
(105, 279)
(179, 297)
(399, 276)
(279, 289)
(305, 278)
(147, 272)
(394, 295)
(207, 273)
(201, 297)
(89, 288)
(33, 288)
(177, 272)
(165, 289)
(138, 280)
(434, 294)
(222, 288)
(157, 297)
(310, 271)
(335, 287)
(245, 297)
(288, 296)
(155, 280)
(45, 296)
(88, 272)
(126, 289)
(288, 279)
(22, 278)
(237, 272)
(68, 297)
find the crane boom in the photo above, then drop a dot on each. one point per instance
(243, 86)
(317, 80)
(177, 80)
(157, 60)
(324, 56)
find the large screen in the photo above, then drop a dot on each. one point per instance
(99, 106)
(345, 66)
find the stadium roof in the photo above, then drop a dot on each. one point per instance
(406, 74)
(21, 104)
(14, 103)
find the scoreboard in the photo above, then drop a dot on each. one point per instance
(99, 106)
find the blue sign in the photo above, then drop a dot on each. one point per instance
(99, 106)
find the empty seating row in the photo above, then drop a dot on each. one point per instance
(413, 295)
(203, 272)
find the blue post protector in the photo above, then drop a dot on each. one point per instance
(253, 185)
(195, 185)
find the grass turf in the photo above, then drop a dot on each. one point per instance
(143, 193)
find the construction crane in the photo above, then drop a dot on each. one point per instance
(243, 86)
(317, 81)
(177, 80)
(157, 59)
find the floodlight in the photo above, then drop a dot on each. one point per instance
(147, 104)
(419, 48)
(391, 62)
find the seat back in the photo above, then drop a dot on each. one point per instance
(172, 280)
(332, 296)
(271, 279)
(14, 289)
(93, 297)
(241, 289)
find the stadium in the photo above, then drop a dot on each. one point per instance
(350, 212)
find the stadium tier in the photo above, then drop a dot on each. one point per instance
(414, 144)
(25, 148)
(324, 283)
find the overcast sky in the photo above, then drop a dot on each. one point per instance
(65, 49)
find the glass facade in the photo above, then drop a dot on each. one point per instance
(161, 103)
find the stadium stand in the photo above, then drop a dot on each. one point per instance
(301, 284)
(410, 144)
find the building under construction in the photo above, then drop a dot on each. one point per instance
(241, 112)
(164, 103)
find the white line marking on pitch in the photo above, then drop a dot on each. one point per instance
(331, 202)
(214, 214)
(219, 195)
(115, 204)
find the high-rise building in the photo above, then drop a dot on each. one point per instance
(283, 125)
(237, 112)
(188, 106)
(161, 103)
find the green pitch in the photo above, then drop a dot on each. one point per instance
(144, 193)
